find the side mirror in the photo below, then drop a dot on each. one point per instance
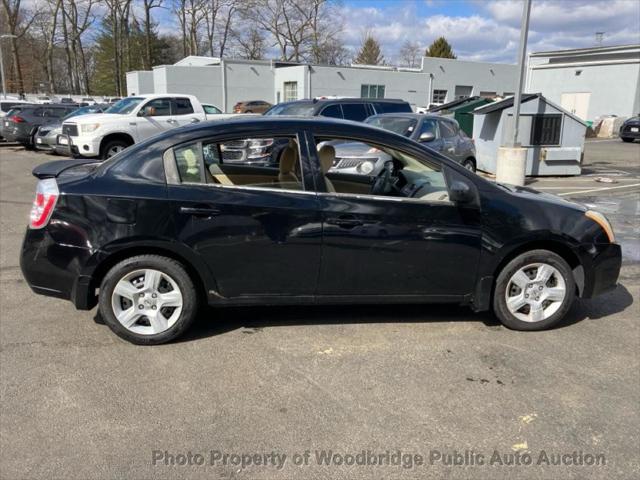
(427, 137)
(460, 192)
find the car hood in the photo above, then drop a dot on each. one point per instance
(538, 196)
(96, 118)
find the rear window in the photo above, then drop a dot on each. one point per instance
(296, 109)
(391, 107)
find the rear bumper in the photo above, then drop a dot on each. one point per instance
(52, 269)
(602, 275)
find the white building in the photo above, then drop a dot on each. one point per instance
(589, 82)
(224, 82)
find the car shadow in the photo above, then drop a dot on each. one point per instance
(219, 320)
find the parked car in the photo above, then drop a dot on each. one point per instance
(49, 137)
(439, 133)
(44, 100)
(21, 126)
(66, 100)
(630, 129)
(253, 106)
(130, 121)
(355, 109)
(10, 105)
(167, 226)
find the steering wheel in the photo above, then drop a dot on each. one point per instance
(379, 186)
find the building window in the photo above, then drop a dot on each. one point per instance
(372, 91)
(545, 129)
(290, 91)
(439, 96)
(489, 95)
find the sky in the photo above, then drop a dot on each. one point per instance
(481, 30)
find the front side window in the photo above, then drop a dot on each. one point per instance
(429, 126)
(448, 129)
(160, 107)
(182, 106)
(400, 125)
(271, 163)
(354, 167)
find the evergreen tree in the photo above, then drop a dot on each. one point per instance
(369, 53)
(440, 48)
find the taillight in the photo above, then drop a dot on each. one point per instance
(46, 197)
(16, 119)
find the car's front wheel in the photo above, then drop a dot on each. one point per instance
(627, 139)
(534, 291)
(148, 299)
(112, 148)
(469, 164)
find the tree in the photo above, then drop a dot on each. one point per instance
(440, 48)
(409, 53)
(369, 53)
(251, 43)
(18, 27)
(148, 5)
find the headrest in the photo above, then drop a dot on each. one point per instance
(327, 156)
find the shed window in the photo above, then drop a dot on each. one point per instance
(372, 91)
(545, 129)
(290, 91)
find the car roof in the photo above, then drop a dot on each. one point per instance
(416, 116)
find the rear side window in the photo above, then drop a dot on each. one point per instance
(182, 106)
(391, 107)
(211, 110)
(448, 129)
(355, 111)
(332, 111)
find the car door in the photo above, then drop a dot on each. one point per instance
(257, 228)
(182, 112)
(154, 117)
(398, 246)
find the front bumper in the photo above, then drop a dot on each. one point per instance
(85, 146)
(602, 274)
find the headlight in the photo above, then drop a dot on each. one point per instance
(89, 127)
(601, 220)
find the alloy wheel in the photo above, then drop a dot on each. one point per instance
(535, 292)
(147, 301)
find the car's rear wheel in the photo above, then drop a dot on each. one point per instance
(112, 148)
(534, 291)
(148, 299)
(469, 164)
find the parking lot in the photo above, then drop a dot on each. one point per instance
(265, 385)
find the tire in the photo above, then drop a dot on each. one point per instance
(469, 164)
(627, 139)
(110, 148)
(533, 314)
(130, 276)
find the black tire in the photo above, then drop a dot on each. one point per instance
(534, 256)
(165, 265)
(628, 140)
(104, 154)
(248, 111)
(469, 164)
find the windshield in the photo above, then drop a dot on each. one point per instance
(403, 126)
(124, 106)
(297, 109)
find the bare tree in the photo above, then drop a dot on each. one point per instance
(118, 20)
(148, 5)
(78, 15)
(251, 43)
(409, 53)
(47, 24)
(191, 17)
(19, 21)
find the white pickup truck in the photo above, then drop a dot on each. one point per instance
(132, 120)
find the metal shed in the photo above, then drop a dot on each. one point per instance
(553, 136)
(462, 111)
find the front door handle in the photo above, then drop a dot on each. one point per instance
(200, 211)
(345, 221)
(171, 121)
(194, 120)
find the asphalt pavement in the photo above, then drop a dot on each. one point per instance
(347, 392)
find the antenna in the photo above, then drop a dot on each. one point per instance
(599, 38)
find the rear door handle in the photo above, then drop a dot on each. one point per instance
(200, 211)
(345, 221)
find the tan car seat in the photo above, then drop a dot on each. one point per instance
(327, 156)
(288, 162)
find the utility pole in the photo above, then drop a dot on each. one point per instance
(511, 163)
(4, 83)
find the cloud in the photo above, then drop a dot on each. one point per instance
(490, 30)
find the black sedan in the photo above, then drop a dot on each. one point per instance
(167, 226)
(630, 129)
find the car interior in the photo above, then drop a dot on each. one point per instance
(403, 176)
